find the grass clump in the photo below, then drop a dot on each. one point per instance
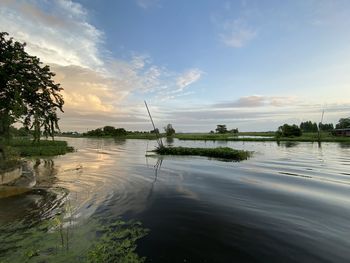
(219, 152)
(27, 148)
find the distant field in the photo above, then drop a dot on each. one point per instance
(242, 136)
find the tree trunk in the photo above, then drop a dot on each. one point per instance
(36, 129)
(5, 124)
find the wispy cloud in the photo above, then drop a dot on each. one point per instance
(188, 78)
(147, 3)
(95, 83)
(237, 33)
(258, 101)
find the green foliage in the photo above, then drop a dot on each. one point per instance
(289, 131)
(26, 148)
(59, 239)
(27, 92)
(219, 152)
(221, 128)
(308, 126)
(107, 131)
(234, 131)
(169, 130)
(118, 243)
(156, 130)
(326, 127)
(21, 132)
(343, 123)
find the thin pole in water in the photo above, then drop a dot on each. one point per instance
(160, 143)
(319, 127)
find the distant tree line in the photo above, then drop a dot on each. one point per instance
(287, 130)
(115, 132)
(309, 126)
(106, 131)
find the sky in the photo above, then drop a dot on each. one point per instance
(252, 65)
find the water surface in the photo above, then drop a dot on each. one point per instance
(288, 203)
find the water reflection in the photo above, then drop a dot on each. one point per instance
(289, 144)
(170, 141)
(285, 204)
(344, 145)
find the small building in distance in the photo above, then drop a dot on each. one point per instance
(341, 132)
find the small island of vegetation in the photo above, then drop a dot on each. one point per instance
(226, 153)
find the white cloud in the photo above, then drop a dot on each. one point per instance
(188, 78)
(147, 3)
(237, 34)
(60, 35)
(258, 101)
(96, 85)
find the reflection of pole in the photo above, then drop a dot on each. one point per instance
(319, 127)
(160, 143)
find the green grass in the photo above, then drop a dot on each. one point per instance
(219, 152)
(265, 137)
(26, 147)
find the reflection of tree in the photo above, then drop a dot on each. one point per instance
(289, 144)
(169, 140)
(344, 145)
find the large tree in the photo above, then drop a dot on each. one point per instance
(308, 126)
(289, 130)
(27, 91)
(343, 123)
(221, 128)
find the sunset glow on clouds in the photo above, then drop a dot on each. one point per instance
(247, 64)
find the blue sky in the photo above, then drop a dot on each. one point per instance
(253, 65)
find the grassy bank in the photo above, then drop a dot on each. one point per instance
(250, 137)
(262, 137)
(26, 147)
(219, 152)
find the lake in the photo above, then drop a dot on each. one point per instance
(290, 202)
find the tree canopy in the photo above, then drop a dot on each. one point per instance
(27, 91)
(107, 131)
(221, 128)
(343, 123)
(326, 126)
(289, 130)
(169, 130)
(309, 126)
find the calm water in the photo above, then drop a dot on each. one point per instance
(288, 203)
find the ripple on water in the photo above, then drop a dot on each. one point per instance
(288, 203)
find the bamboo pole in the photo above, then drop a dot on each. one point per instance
(159, 140)
(319, 129)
